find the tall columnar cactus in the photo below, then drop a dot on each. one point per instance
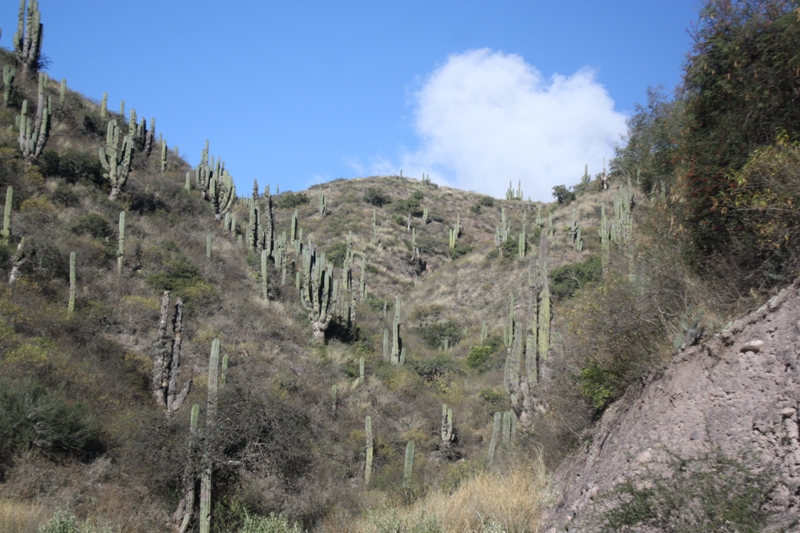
(254, 226)
(264, 280)
(493, 441)
(605, 239)
(72, 283)
(122, 108)
(316, 293)
(369, 450)
(447, 425)
(116, 159)
(163, 155)
(268, 232)
(208, 247)
(62, 92)
(586, 178)
(33, 135)
(408, 467)
(323, 204)
(186, 505)
(121, 243)
(397, 342)
(211, 418)
(294, 233)
(7, 215)
(104, 106)
(374, 226)
(167, 360)
(8, 79)
(522, 246)
(28, 39)
(484, 332)
(222, 193)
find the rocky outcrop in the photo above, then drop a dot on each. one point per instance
(738, 392)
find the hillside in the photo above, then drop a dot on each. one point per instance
(386, 354)
(286, 431)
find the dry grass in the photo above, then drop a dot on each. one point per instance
(510, 500)
(21, 517)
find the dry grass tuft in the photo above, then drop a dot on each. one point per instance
(21, 517)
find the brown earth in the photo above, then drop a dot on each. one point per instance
(737, 392)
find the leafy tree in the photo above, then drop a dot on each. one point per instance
(563, 195)
(741, 87)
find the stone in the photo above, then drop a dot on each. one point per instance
(752, 346)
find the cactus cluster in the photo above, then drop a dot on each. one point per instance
(33, 135)
(116, 158)
(28, 38)
(215, 183)
(575, 233)
(511, 194)
(316, 292)
(456, 231)
(502, 231)
(167, 360)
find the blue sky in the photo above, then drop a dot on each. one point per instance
(474, 93)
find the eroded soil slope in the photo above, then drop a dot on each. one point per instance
(738, 392)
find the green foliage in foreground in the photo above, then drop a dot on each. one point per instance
(65, 522)
(708, 493)
(268, 524)
(567, 279)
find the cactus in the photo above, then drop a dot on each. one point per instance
(223, 371)
(163, 155)
(268, 233)
(425, 215)
(374, 226)
(386, 344)
(369, 450)
(33, 136)
(28, 39)
(408, 467)
(121, 243)
(62, 92)
(447, 425)
(264, 281)
(207, 466)
(186, 505)
(122, 108)
(397, 342)
(72, 285)
(104, 107)
(116, 159)
(586, 178)
(222, 193)
(484, 332)
(317, 291)
(7, 215)
(208, 247)
(8, 79)
(323, 204)
(523, 243)
(334, 399)
(167, 361)
(493, 441)
(149, 139)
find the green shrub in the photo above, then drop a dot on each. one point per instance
(290, 200)
(35, 418)
(434, 334)
(375, 196)
(567, 279)
(65, 522)
(494, 399)
(482, 356)
(408, 205)
(72, 166)
(460, 250)
(708, 493)
(95, 224)
(336, 254)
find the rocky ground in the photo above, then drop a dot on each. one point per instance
(737, 394)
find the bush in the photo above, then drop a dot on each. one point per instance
(73, 166)
(34, 418)
(290, 200)
(567, 279)
(460, 250)
(711, 492)
(482, 356)
(95, 224)
(434, 334)
(563, 195)
(336, 254)
(375, 196)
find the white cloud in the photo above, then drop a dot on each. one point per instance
(485, 118)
